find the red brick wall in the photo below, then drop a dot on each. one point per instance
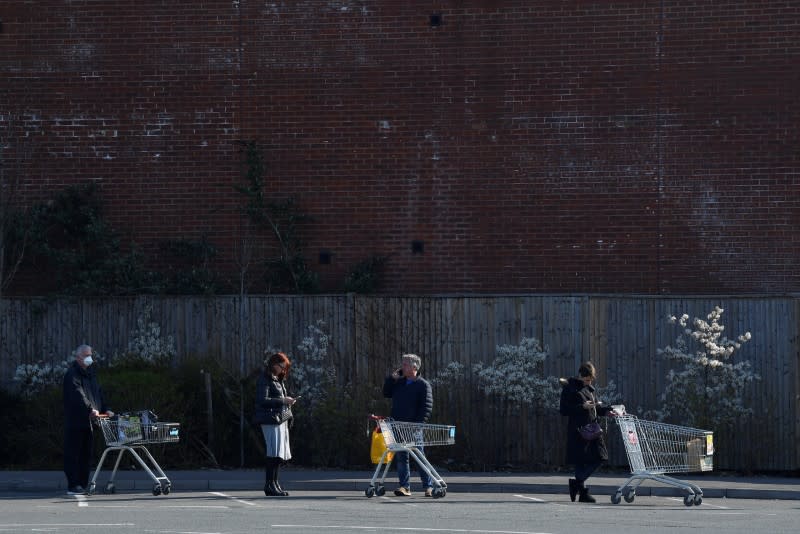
(541, 146)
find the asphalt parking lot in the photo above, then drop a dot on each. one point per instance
(247, 511)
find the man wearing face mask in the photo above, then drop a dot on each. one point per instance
(83, 403)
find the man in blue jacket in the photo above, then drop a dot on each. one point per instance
(83, 402)
(412, 401)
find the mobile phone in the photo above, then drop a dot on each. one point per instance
(400, 371)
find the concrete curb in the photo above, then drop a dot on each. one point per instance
(358, 481)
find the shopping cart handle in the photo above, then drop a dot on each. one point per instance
(617, 410)
(373, 417)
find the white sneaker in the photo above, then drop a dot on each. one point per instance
(76, 490)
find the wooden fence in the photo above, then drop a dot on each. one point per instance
(368, 333)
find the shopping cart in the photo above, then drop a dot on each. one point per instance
(131, 435)
(655, 449)
(409, 437)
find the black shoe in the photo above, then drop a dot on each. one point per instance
(271, 490)
(76, 490)
(585, 497)
(282, 492)
(573, 489)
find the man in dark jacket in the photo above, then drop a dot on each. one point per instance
(83, 402)
(412, 401)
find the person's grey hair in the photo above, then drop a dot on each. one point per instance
(81, 349)
(414, 360)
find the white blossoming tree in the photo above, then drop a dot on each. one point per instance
(517, 375)
(32, 379)
(312, 374)
(146, 343)
(706, 390)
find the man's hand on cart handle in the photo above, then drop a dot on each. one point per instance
(98, 415)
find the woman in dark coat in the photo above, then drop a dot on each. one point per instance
(580, 405)
(271, 399)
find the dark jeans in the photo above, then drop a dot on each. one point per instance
(584, 471)
(404, 470)
(77, 455)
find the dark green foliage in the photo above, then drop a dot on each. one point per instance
(188, 271)
(365, 276)
(15, 229)
(33, 430)
(332, 434)
(70, 240)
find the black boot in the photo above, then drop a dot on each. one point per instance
(573, 489)
(269, 478)
(278, 489)
(584, 494)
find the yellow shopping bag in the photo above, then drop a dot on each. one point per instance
(378, 446)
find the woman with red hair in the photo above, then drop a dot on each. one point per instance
(273, 413)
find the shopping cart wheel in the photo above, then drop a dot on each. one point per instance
(616, 498)
(698, 499)
(166, 488)
(369, 492)
(110, 488)
(380, 491)
(630, 494)
(91, 489)
(157, 489)
(688, 500)
(438, 493)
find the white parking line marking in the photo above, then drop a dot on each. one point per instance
(530, 498)
(240, 501)
(384, 528)
(4, 526)
(704, 505)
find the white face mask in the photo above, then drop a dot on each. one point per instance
(88, 361)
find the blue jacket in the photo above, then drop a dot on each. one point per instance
(411, 401)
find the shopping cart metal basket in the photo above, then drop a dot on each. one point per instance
(132, 435)
(410, 437)
(655, 448)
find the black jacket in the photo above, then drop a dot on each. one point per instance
(270, 392)
(580, 451)
(411, 401)
(82, 394)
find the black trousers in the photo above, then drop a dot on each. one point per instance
(78, 444)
